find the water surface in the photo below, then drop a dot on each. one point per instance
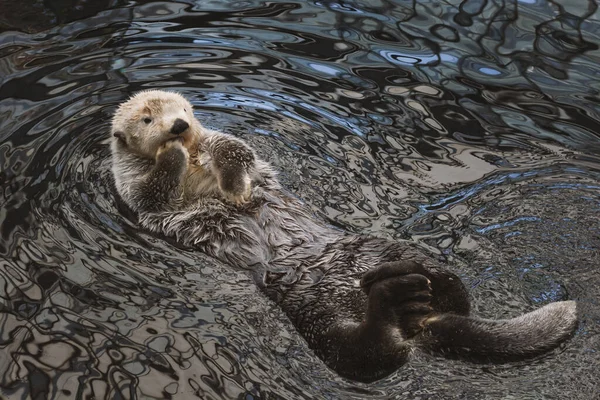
(468, 127)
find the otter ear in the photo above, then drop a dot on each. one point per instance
(120, 135)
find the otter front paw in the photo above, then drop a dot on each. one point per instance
(402, 299)
(235, 184)
(172, 153)
(233, 160)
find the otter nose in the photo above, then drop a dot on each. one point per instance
(179, 126)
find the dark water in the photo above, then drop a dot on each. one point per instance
(471, 128)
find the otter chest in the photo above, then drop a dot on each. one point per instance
(199, 180)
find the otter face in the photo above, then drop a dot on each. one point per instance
(150, 118)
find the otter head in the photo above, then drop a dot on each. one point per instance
(150, 118)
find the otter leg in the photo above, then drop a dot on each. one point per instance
(401, 301)
(232, 161)
(376, 347)
(449, 293)
(162, 186)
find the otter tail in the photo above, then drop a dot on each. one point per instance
(503, 340)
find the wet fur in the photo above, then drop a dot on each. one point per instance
(362, 303)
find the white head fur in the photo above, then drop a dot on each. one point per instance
(147, 120)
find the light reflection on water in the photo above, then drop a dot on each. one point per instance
(467, 127)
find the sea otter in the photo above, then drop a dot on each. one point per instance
(362, 303)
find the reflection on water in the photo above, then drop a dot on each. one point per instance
(469, 127)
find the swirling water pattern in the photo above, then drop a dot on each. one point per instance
(469, 127)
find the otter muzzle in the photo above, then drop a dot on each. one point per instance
(179, 126)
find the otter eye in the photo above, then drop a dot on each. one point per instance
(184, 110)
(147, 120)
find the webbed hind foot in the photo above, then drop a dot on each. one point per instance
(449, 293)
(398, 298)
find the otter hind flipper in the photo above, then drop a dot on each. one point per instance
(396, 309)
(450, 295)
(525, 336)
(402, 301)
